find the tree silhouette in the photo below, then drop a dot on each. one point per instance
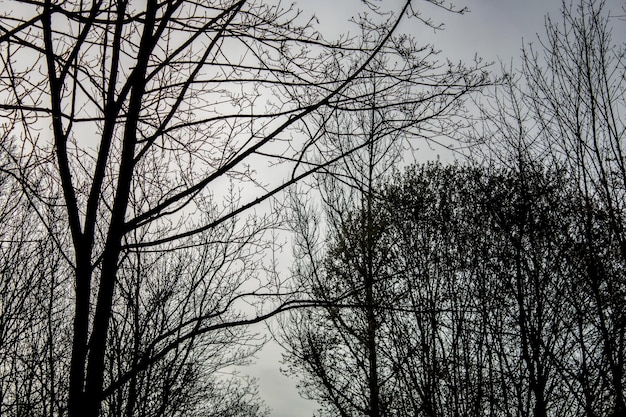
(564, 111)
(159, 128)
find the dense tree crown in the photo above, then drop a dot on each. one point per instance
(482, 299)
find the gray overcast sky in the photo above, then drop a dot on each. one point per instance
(494, 30)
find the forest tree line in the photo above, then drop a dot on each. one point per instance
(152, 154)
(478, 291)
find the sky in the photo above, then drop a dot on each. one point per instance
(493, 30)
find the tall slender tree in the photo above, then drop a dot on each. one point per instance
(564, 110)
(421, 100)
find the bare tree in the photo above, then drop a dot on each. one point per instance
(153, 125)
(342, 353)
(564, 112)
(578, 102)
(33, 276)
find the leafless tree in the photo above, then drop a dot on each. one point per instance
(160, 127)
(499, 289)
(342, 353)
(564, 111)
(33, 276)
(578, 103)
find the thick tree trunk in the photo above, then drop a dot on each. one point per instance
(81, 332)
(97, 342)
(91, 401)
